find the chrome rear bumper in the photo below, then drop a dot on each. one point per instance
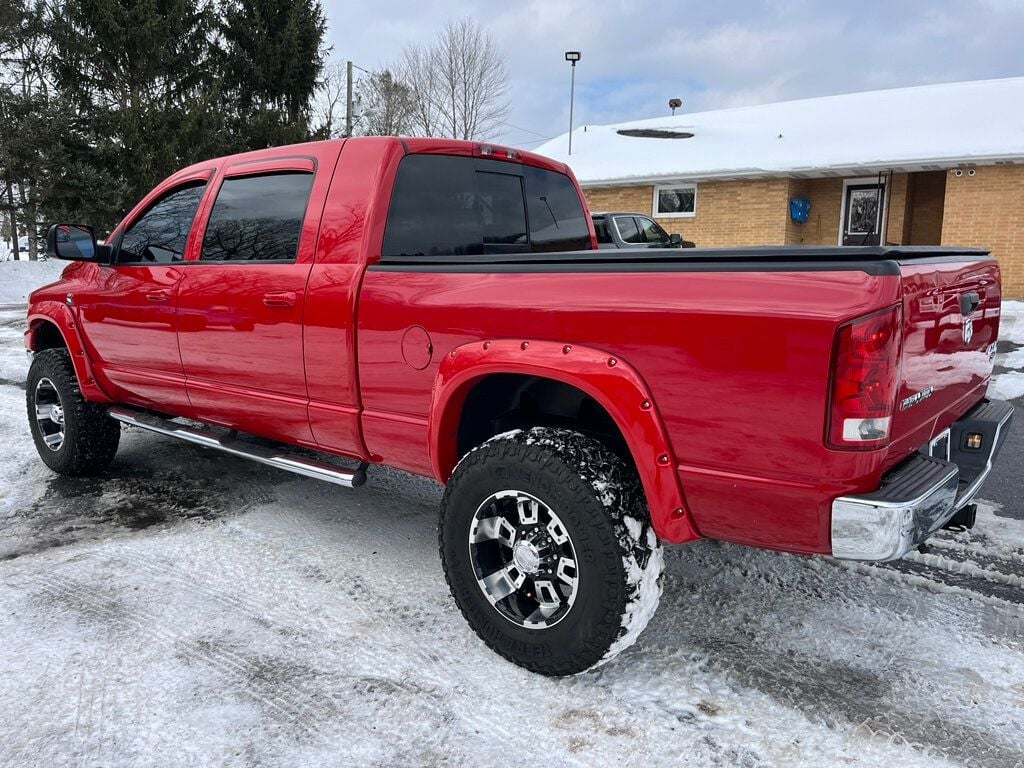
(920, 495)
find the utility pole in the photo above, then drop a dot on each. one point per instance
(572, 56)
(348, 99)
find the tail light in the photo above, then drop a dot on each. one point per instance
(865, 377)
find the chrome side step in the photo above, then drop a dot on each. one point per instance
(230, 443)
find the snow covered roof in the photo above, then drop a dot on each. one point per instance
(905, 129)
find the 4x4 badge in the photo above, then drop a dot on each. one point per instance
(968, 330)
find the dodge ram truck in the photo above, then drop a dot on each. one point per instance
(442, 307)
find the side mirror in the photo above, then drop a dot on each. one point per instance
(676, 241)
(75, 242)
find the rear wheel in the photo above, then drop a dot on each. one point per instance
(548, 549)
(72, 435)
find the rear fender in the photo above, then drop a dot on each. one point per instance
(60, 315)
(608, 379)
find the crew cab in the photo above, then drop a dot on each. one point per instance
(633, 230)
(442, 307)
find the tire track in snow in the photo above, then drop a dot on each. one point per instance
(81, 597)
(297, 705)
(851, 682)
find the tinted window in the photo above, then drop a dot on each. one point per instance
(557, 219)
(627, 229)
(257, 218)
(601, 228)
(458, 206)
(159, 237)
(502, 212)
(651, 231)
(434, 208)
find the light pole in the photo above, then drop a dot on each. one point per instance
(674, 104)
(572, 57)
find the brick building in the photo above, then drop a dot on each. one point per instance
(933, 165)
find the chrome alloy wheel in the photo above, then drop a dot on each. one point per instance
(523, 559)
(49, 414)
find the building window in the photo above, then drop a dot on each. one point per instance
(677, 200)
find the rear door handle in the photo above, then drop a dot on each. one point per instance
(158, 295)
(279, 299)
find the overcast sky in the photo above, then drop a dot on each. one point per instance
(637, 55)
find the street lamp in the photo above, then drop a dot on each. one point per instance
(572, 57)
(674, 104)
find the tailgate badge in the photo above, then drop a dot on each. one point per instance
(917, 397)
(968, 330)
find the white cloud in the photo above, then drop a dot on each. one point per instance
(637, 55)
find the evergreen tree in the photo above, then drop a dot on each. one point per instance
(28, 122)
(272, 62)
(138, 89)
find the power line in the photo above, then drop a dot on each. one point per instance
(526, 143)
(525, 130)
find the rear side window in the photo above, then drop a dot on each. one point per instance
(159, 236)
(459, 206)
(257, 218)
(628, 230)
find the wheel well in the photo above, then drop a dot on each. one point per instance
(48, 336)
(505, 401)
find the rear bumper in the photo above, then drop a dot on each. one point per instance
(920, 495)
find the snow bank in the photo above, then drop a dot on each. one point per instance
(1007, 386)
(1011, 322)
(927, 125)
(19, 278)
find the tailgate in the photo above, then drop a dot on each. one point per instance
(950, 325)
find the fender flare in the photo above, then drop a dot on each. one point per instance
(61, 316)
(611, 381)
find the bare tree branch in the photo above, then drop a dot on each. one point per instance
(459, 85)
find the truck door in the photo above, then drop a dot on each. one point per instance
(128, 318)
(240, 302)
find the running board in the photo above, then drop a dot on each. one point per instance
(231, 443)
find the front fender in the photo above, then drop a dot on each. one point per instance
(608, 379)
(61, 316)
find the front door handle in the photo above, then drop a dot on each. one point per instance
(279, 299)
(158, 295)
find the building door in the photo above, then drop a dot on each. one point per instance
(863, 213)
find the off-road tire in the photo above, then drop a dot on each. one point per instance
(91, 437)
(599, 499)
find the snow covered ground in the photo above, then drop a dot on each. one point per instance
(19, 278)
(190, 610)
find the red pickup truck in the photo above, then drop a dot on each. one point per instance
(442, 307)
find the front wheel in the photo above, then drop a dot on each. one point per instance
(548, 549)
(72, 435)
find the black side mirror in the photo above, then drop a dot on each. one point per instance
(75, 242)
(676, 241)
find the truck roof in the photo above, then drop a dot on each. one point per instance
(411, 145)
